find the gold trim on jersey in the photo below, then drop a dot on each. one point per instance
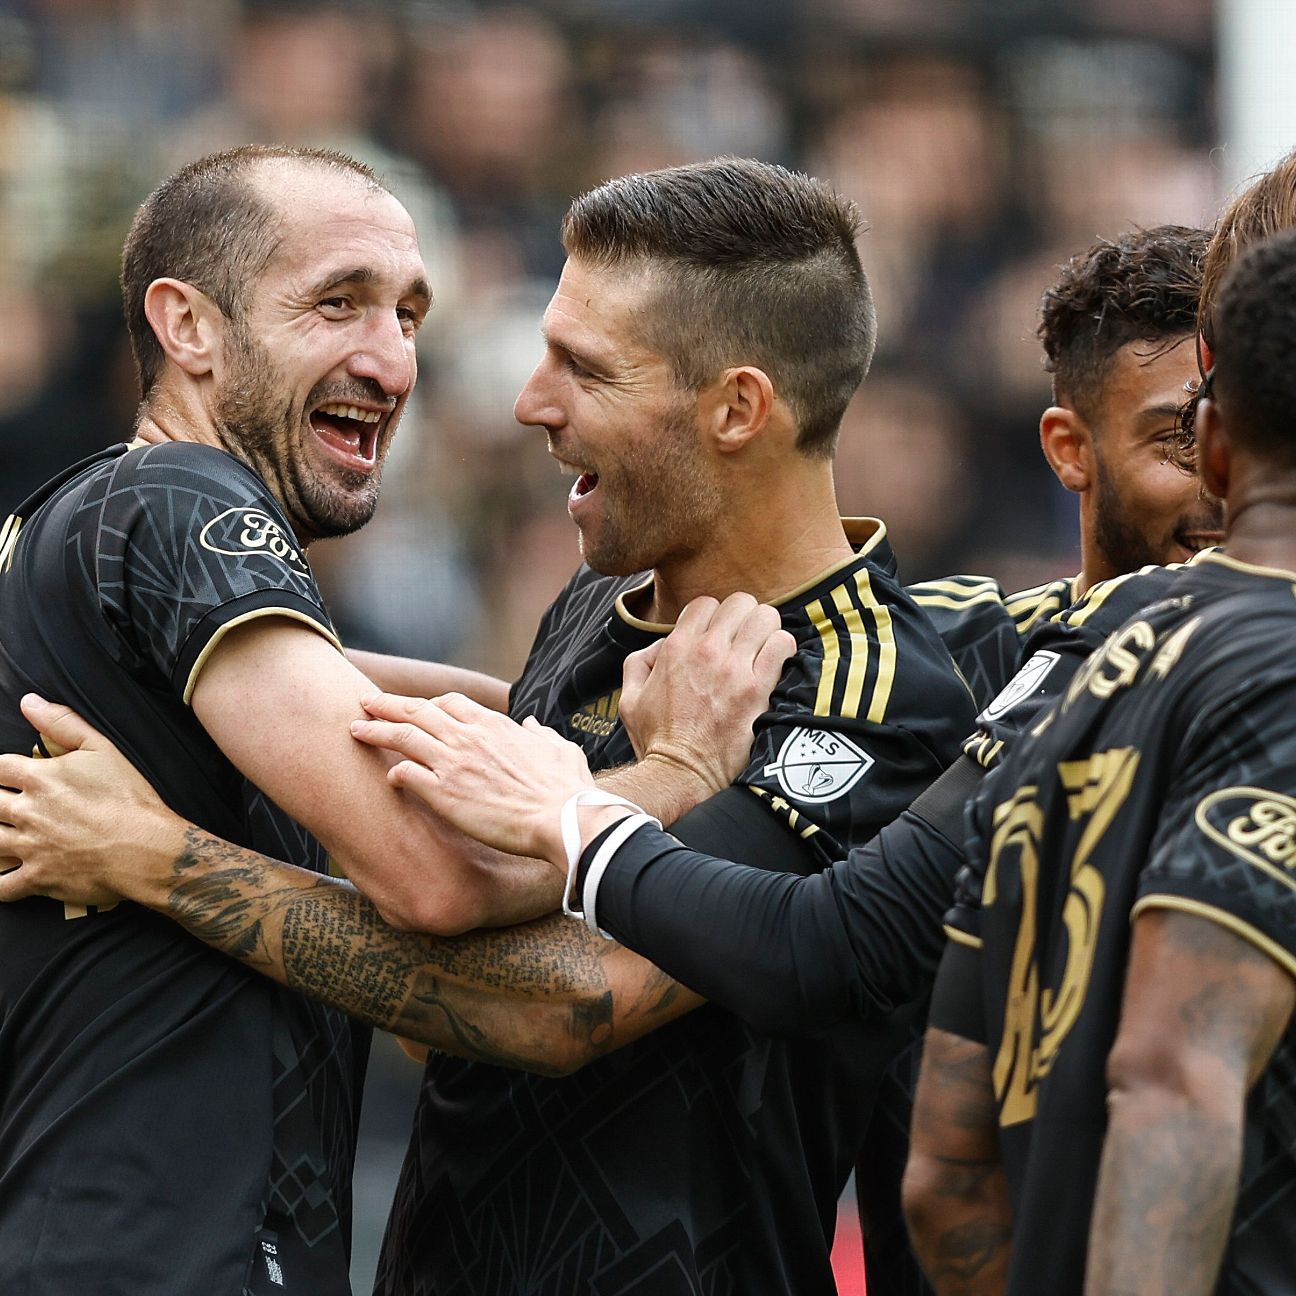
(210, 646)
(963, 938)
(956, 592)
(864, 535)
(1226, 560)
(9, 540)
(638, 623)
(1040, 602)
(1238, 926)
(796, 821)
(866, 622)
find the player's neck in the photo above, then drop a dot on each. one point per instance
(767, 553)
(1262, 531)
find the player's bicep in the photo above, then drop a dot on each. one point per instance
(1203, 1002)
(278, 700)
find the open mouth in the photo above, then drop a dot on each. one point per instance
(1196, 541)
(586, 480)
(349, 431)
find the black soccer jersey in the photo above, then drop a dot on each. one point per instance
(1166, 777)
(984, 628)
(706, 1157)
(169, 1122)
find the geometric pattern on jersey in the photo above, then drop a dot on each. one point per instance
(1108, 811)
(179, 1106)
(704, 1157)
(984, 628)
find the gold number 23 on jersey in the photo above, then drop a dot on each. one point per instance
(1037, 1019)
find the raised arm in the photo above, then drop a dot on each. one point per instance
(790, 954)
(1202, 1013)
(277, 700)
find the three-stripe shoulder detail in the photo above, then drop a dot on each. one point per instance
(859, 650)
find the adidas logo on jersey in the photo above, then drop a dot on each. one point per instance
(598, 718)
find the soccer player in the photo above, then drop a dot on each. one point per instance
(710, 326)
(168, 1121)
(1118, 330)
(1106, 1097)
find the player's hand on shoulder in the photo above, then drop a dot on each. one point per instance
(693, 697)
(493, 779)
(71, 826)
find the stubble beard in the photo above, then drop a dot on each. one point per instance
(1119, 539)
(260, 427)
(661, 504)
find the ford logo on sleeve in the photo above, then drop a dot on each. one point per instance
(242, 531)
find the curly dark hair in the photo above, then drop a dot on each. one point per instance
(1141, 287)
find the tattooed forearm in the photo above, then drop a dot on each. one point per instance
(535, 996)
(1166, 1193)
(956, 1196)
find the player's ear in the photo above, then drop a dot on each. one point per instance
(1067, 443)
(1213, 450)
(187, 323)
(738, 407)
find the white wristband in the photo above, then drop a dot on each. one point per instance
(569, 826)
(598, 865)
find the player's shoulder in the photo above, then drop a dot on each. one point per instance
(864, 647)
(1028, 607)
(189, 466)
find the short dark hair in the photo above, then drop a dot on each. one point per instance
(1141, 287)
(1254, 376)
(209, 226)
(757, 265)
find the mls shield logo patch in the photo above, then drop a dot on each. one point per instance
(815, 765)
(1021, 686)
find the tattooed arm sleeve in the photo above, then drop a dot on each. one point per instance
(1203, 1011)
(547, 996)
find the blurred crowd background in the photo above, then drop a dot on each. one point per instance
(984, 140)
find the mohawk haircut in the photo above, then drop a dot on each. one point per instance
(1141, 287)
(754, 264)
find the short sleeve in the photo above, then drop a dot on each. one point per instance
(837, 765)
(1225, 847)
(187, 544)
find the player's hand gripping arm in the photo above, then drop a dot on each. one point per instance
(691, 699)
(414, 678)
(1202, 1013)
(549, 996)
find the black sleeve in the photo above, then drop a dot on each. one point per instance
(956, 1004)
(795, 955)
